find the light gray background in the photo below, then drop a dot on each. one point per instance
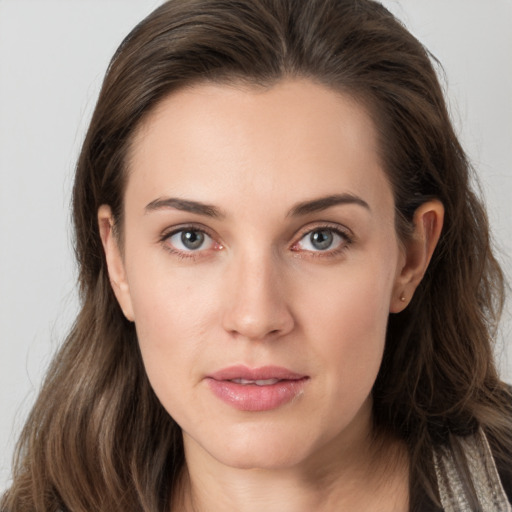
(53, 54)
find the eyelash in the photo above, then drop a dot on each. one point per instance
(343, 234)
(183, 229)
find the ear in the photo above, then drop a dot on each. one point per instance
(417, 252)
(115, 263)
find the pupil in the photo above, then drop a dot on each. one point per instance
(192, 239)
(321, 239)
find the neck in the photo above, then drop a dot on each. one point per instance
(371, 475)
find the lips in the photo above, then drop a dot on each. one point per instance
(256, 389)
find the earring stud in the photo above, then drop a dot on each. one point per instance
(402, 298)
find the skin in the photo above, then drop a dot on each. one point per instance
(259, 292)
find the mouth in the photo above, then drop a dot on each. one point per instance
(261, 382)
(258, 389)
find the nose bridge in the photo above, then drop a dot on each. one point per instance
(256, 306)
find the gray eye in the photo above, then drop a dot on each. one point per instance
(192, 240)
(322, 239)
(188, 240)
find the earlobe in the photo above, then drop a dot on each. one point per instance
(418, 250)
(115, 263)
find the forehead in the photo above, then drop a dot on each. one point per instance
(292, 141)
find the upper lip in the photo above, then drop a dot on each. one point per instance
(261, 373)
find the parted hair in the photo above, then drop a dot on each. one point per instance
(97, 438)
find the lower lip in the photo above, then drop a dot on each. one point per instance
(251, 397)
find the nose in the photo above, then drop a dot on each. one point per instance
(255, 300)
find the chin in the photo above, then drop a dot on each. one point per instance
(265, 447)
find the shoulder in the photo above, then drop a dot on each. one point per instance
(506, 481)
(469, 472)
(504, 470)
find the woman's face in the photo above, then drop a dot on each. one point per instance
(260, 264)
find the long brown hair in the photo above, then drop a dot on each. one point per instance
(97, 438)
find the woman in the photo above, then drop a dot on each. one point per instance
(288, 294)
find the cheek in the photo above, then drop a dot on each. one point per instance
(348, 320)
(174, 311)
(351, 299)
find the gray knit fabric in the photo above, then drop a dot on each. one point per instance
(484, 476)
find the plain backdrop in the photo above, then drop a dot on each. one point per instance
(53, 54)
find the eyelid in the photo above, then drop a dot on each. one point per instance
(316, 226)
(192, 226)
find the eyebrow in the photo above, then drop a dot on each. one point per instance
(322, 203)
(303, 208)
(184, 205)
